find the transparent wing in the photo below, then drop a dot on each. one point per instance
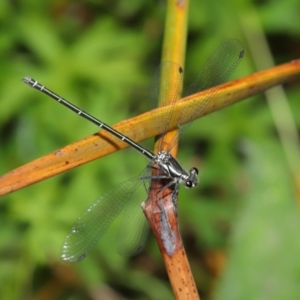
(215, 71)
(134, 228)
(169, 77)
(94, 221)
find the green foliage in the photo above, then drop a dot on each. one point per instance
(264, 261)
(100, 55)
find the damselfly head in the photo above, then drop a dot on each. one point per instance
(192, 180)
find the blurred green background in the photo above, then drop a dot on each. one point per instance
(240, 225)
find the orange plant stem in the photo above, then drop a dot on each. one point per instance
(161, 207)
(141, 127)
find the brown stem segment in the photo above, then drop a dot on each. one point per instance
(161, 212)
